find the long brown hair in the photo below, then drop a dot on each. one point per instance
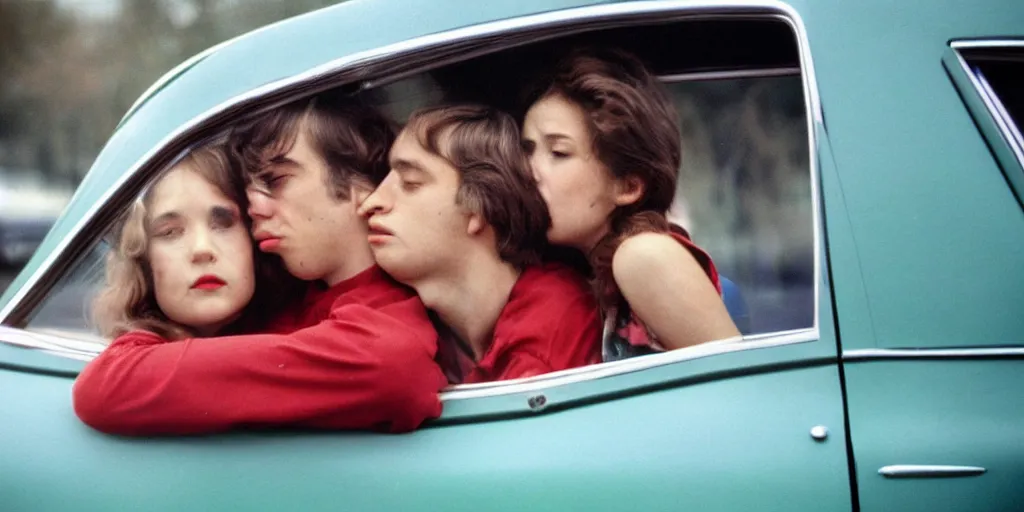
(634, 131)
(128, 301)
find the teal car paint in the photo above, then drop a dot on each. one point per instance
(915, 358)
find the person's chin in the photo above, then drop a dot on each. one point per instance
(211, 323)
(385, 263)
(300, 270)
(395, 268)
(384, 255)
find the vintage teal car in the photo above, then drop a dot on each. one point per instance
(857, 168)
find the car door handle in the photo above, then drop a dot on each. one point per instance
(929, 471)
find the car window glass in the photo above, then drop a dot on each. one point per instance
(66, 309)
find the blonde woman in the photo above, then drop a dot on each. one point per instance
(184, 265)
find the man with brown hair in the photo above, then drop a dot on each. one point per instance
(460, 220)
(357, 351)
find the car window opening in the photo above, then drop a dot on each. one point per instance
(743, 192)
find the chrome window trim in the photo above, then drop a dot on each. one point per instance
(975, 44)
(625, 366)
(85, 350)
(882, 354)
(662, 359)
(730, 75)
(64, 346)
(1011, 132)
(582, 19)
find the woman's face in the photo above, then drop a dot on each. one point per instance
(578, 188)
(199, 251)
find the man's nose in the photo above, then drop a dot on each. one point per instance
(374, 203)
(260, 204)
(203, 250)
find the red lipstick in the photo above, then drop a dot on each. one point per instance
(208, 282)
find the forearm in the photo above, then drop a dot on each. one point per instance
(312, 378)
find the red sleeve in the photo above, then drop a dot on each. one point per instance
(361, 368)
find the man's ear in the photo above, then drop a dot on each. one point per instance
(476, 224)
(629, 190)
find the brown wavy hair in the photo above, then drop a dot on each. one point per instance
(128, 302)
(634, 131)
(482, 144)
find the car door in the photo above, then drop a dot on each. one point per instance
(930, 284)
(756, 423)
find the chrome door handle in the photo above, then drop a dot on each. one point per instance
(929, 471)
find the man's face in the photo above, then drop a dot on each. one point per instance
(416, 230)
(296, 215)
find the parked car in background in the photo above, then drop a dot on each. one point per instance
(28, 208)
(856, 168)
(19, 237)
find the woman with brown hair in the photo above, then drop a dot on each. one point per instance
(604, 147)
(184, 264)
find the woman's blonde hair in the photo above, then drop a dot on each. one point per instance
(128, 301)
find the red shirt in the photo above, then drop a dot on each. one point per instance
(551, 322)
(361, 356)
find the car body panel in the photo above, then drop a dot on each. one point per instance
(954, 412)
(927, 205)
(606, 456)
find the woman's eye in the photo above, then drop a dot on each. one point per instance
(410, 186)
(168, 232)
(559, 154)
(222, 218)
